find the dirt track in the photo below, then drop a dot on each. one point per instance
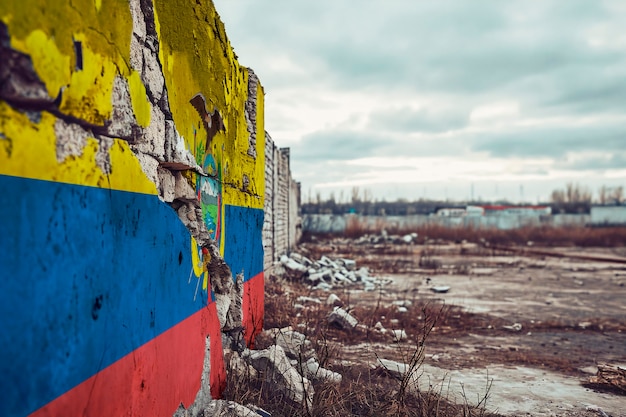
(536, 325)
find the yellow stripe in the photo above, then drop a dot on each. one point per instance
(28, 150)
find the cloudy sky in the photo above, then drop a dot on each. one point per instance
(441, 99)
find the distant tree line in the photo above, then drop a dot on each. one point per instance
(573, 199)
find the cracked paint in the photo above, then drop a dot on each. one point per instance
(98, 134)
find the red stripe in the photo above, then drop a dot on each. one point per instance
(152, 380)
(253, 307)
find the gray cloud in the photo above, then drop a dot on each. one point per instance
(338, 145)
(558, 60)
(408, 120)
(595, 163)
(554, 142)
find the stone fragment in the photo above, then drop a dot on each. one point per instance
(342, 318)
(238, 368)
(395, 369)
(295, 344)
(333, 300)
(276, 368)
(305, 299)
(349, 264)
(223, 408)
(315, 372)
(515, 327)
(301, 259)
(294, 270)
(399, 335)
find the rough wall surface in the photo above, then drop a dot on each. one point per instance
(282, 226)
(132, 181)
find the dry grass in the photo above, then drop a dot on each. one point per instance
(539, 235)
(364, 390)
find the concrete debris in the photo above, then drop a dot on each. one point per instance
(349, 264)
(395, 369)
(384, 237)
(411, 238)
(223, 408)
(326, 273)
(293, 269)
(399, 335)
(305, 299)
(315, 372)
(515, 327)
(238, 368)
(276, 368)
(333, 300)
(440, 289)
(301, 259)
(400, 370)
(295, 344)
(342, 318)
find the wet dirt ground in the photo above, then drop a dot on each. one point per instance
(529, 330)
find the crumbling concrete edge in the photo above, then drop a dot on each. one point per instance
(159, 148)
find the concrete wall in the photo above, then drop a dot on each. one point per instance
(608, 215)
(132, 170)
(332, 223)
(282, 228)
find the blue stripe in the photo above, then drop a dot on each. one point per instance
(88, 275)
(243, 248)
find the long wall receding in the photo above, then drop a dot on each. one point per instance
(133, 180)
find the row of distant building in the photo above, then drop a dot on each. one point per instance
(600, 215)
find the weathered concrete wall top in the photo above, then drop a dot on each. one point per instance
(131, 210)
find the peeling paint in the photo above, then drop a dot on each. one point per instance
(138, 145)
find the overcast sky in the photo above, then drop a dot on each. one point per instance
(440, 99)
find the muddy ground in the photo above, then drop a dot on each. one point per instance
(525, 330)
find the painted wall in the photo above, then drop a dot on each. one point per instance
(132, 193)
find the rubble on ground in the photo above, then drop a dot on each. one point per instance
(384, 237)
(326, 273)
(342, 319)
(276, 368)
(295, 344)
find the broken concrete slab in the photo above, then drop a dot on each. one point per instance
(315, 372)
(342, 319)
(295, 344)
(276, 368)
(305, 299)
(293, 269)
(223, 408)
(515, 327)
(333, 300)
(399, 335)
(301, 259)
